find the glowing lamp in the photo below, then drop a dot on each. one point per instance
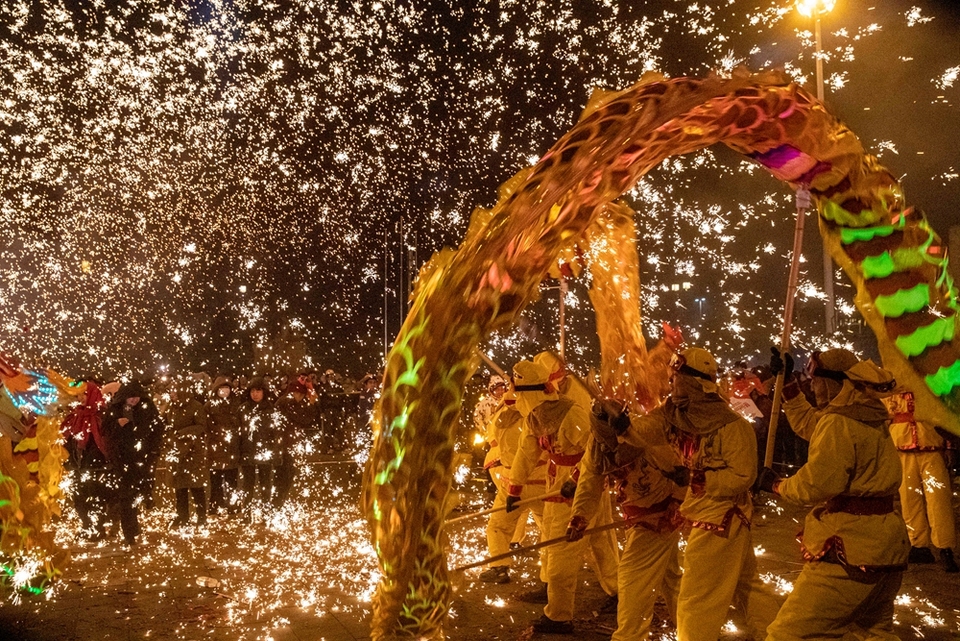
(810, 8)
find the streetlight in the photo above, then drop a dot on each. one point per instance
(699, 301)
(815, 9)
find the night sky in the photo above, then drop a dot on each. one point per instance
(181, 182)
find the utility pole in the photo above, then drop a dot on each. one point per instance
(815, 9)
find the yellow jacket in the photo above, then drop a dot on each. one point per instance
(716, 444)
(909, 434)
(560, 429)
(802, 416)
(504, 421)
(503, 434)
(852, 475)
(643, 492)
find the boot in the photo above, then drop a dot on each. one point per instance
(921, 555)
(499, 574)
(949, 564)
(99, 533)
(546, 625)
(183, 508)
(610, 605)
(537, 595)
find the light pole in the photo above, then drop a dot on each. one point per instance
(699, 301)
(815, 9)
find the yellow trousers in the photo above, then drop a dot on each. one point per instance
(502, 528)
(925, 495)
(720, 570)
(563, 561)
(650, 565)
(830, 602)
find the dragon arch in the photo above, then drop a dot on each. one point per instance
(890, 253)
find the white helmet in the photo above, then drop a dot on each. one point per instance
(494, 381)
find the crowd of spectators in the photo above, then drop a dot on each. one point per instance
(230, 445)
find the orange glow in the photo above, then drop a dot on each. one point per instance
(811, 8)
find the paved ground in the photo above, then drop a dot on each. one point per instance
(306, 574)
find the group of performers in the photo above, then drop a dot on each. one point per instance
(690, 468)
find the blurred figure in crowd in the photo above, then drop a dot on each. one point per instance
(258, 443)
(134, 433)
(188, 453)
(369, 389)
(88, 452)
(297, 414)
(223, 446)
(330, 383)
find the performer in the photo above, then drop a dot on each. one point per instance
(489, 403)
(925, 489)
(719, 449)
(855, 542)
(650, 564)
(561, 428)
(503, 434)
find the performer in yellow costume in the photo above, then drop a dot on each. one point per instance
(504, 436)
(720, 450)
(489, 403)
(826, 373)
(854, 540)
(650, 564)
(925, 491)
(31, 469)
(561, 428)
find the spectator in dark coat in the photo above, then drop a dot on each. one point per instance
(369, 388)
(258, 442)
(790, 451)
(188, 453)
(134, 433)
(223, 446)
(297, 414)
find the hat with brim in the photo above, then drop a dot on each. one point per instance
(531, 378)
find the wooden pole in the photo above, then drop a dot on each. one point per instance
(563, 331)
(492, 365)
(542, 544)
(548, 495)
(803, 203)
